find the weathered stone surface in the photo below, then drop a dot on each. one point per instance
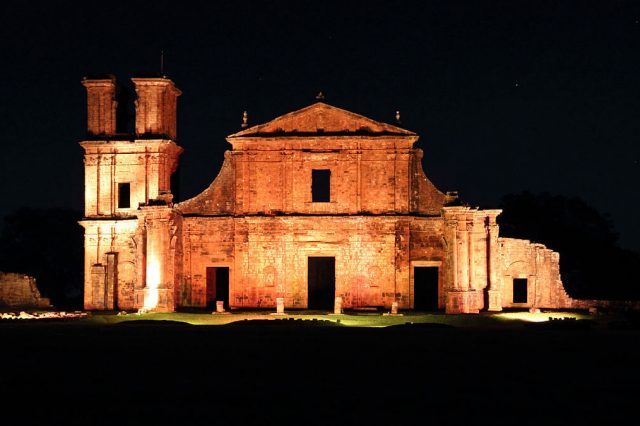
(20, 290)
(156, 106)
(537, 264)
(259, 219)
(101, 106)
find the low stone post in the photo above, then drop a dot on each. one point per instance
(394, 310)
(220, 306)
(280, 305)
(337, 307)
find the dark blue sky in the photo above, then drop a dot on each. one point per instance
(506, 95)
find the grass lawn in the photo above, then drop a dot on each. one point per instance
(350, 319)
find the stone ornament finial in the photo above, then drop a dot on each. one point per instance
(244, 119)
(320, 96)
(397, 116)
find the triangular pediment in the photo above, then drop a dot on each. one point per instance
(321, 119)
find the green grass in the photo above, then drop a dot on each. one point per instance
(484, 320)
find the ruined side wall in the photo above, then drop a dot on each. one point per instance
(20, 290)
(540, 266)
(267, 257)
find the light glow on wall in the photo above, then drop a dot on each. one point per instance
(537, 317)
(153, 282)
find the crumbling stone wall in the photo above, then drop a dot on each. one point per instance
(19, 290)
(540, 266)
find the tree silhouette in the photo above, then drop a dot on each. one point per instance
(591, 263)
(48, 245)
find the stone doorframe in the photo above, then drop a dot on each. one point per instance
(427, 263)
(532, 296)
(231, 279)
(320, 253)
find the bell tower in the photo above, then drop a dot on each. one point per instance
(122, 173)
(101, 105)
(156, 106)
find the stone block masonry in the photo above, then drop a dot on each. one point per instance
(317, 204)
(19, 290)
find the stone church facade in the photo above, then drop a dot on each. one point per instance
(314, 205)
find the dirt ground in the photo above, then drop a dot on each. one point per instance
(317, 373)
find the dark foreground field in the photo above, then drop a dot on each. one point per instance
(278, 373)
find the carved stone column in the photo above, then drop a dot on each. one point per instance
(474, 241)
(495, 292)
(158, 291)
(458, 297)
(140, 240)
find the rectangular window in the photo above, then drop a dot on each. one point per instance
(519, 290)
(321, 186)
(124, 195)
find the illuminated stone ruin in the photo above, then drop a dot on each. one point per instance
(19, 290)
(314, 205)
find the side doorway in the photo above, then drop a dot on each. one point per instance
(217, 286)
(426, 286)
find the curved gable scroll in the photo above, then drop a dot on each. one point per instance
(218, 198)
(425, 197)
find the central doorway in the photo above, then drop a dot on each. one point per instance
(217, 286)
(425, 288)
(321, 278)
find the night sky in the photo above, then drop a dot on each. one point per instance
(506, 95)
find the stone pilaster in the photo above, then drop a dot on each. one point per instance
(494, 290)
(97, 300)
(459, 297)
(158, 293)
(111, 281)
